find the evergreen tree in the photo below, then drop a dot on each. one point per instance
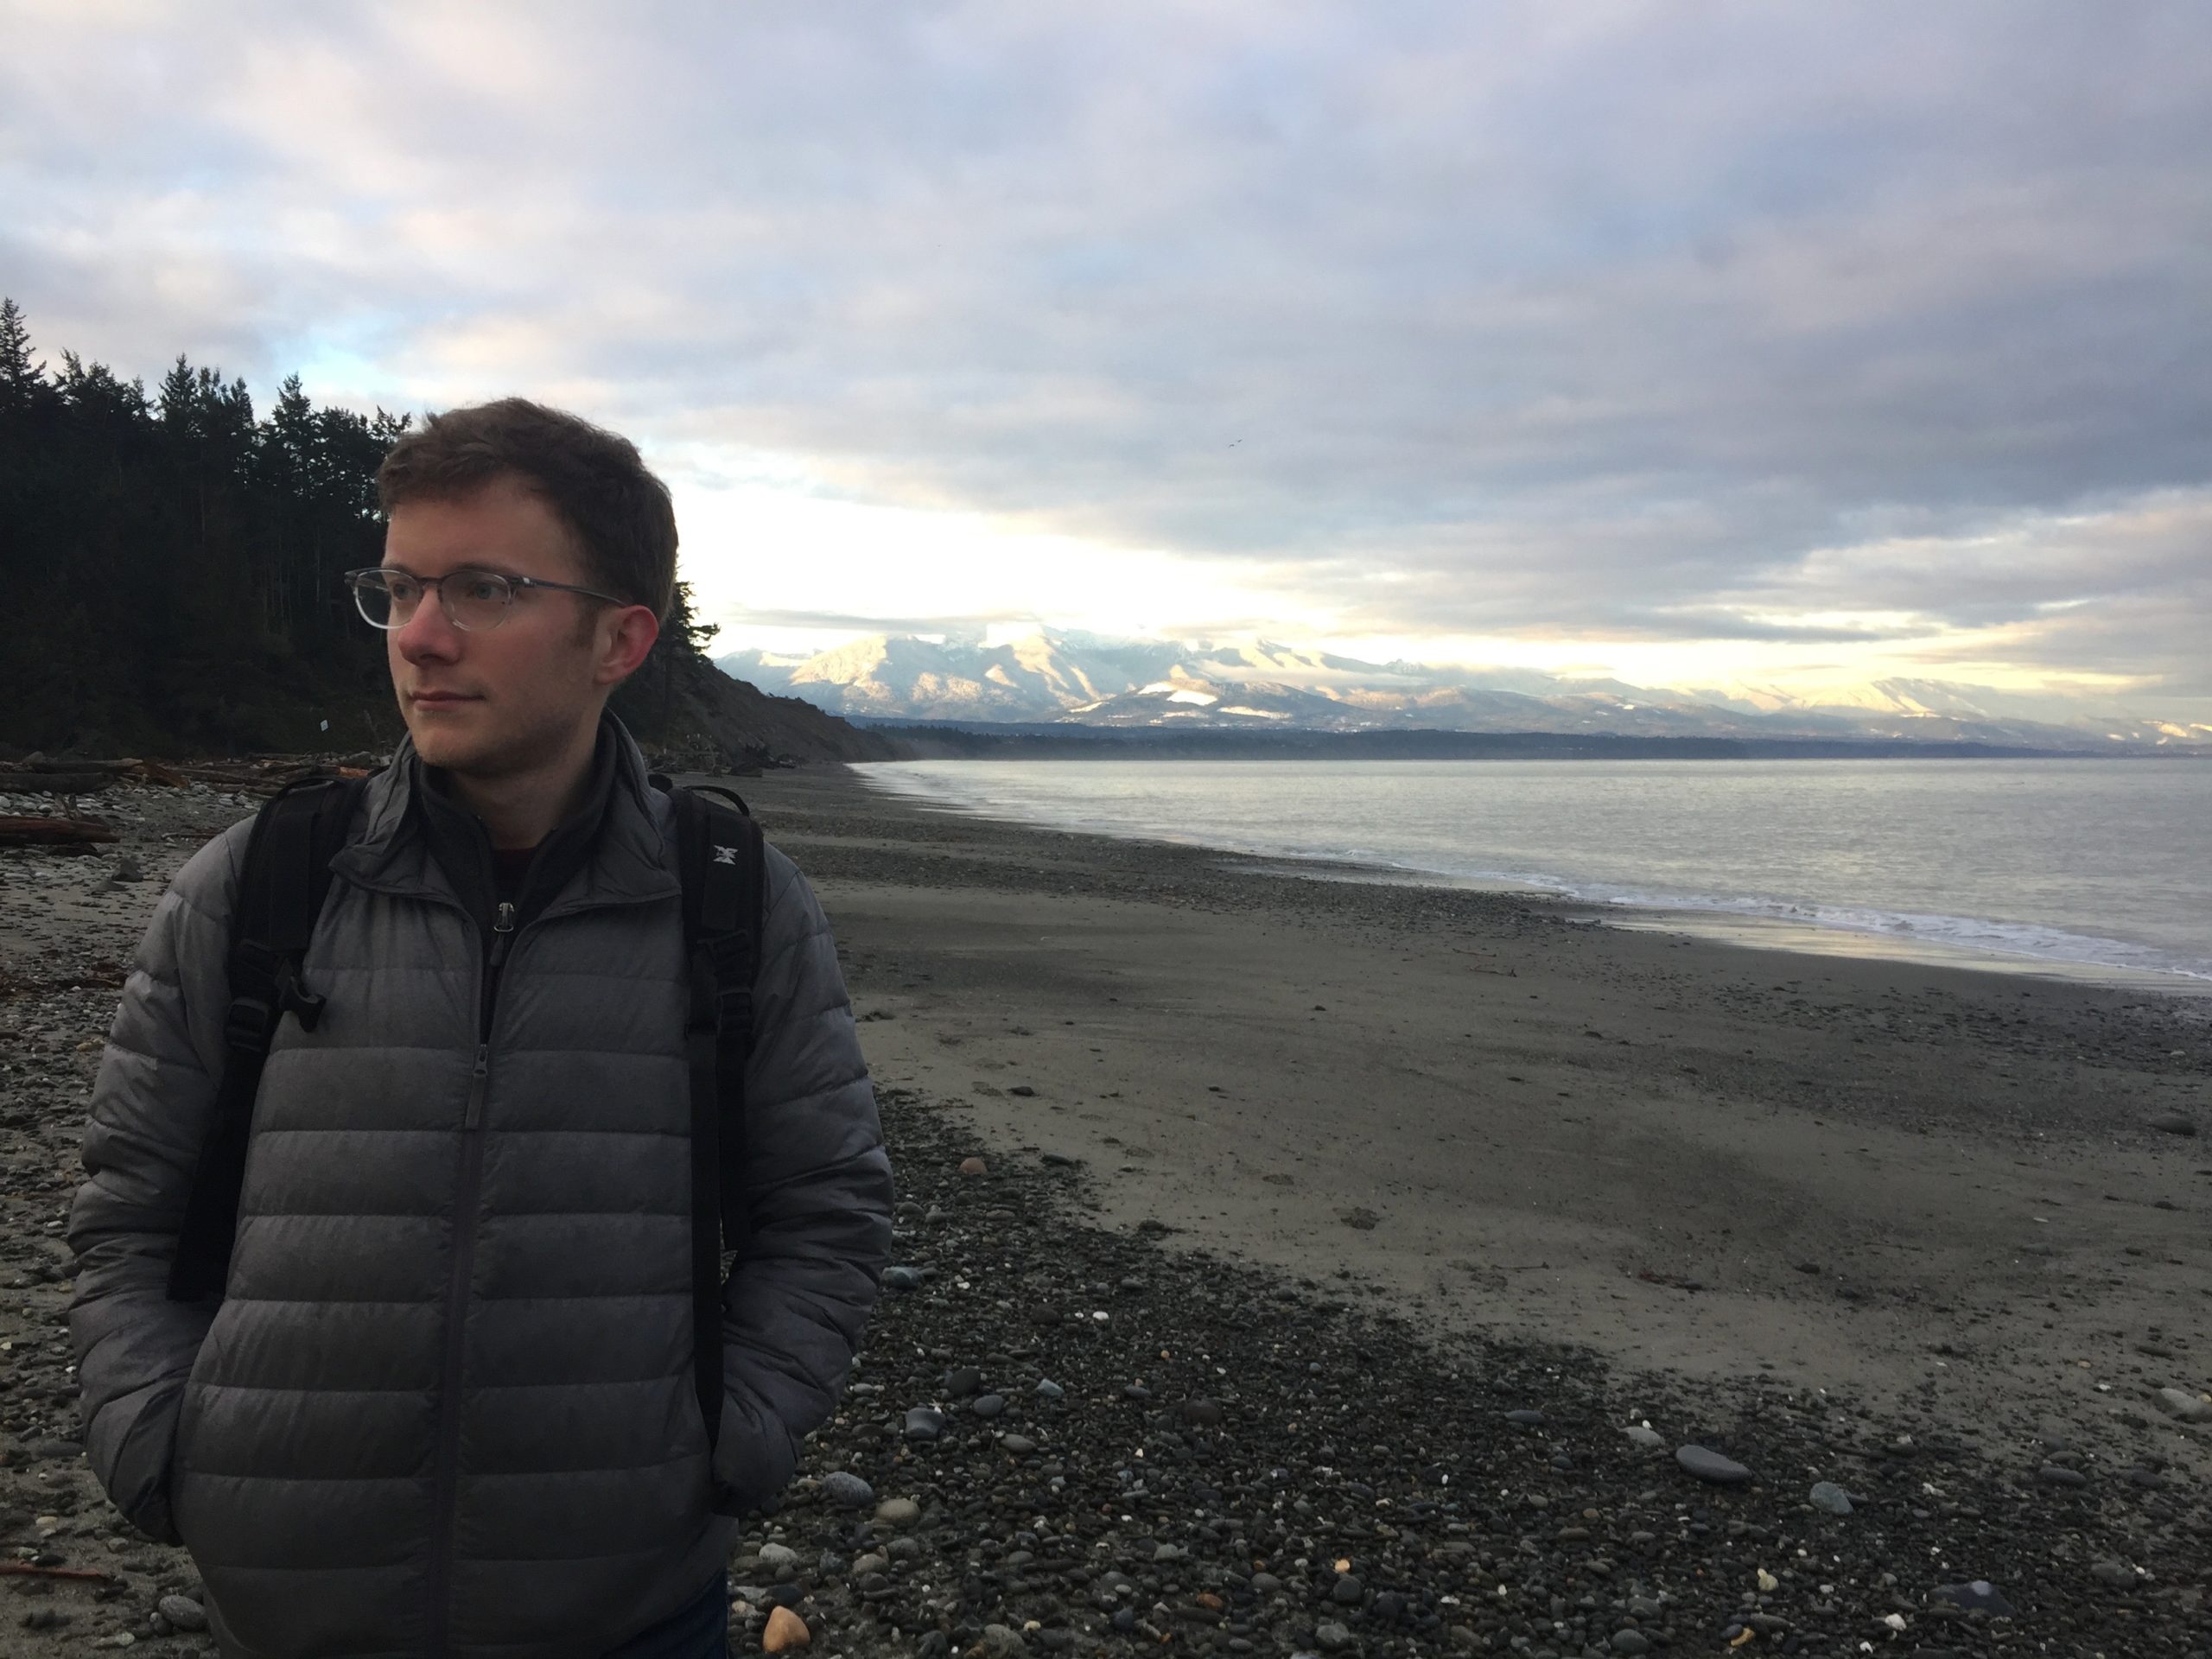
(170, 566)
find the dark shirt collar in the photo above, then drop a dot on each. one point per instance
(462, 847)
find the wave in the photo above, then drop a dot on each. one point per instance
(1908, 933)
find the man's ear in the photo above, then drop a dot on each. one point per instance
(623, 645)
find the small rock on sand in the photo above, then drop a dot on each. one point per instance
(1710, 1467)
(2175, 1124)
(2180, 1402)
(973, 1167)
(785, 1630)
(898, 1512)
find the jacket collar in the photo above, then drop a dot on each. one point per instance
(624, 859)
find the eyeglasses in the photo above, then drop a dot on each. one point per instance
(474, 600)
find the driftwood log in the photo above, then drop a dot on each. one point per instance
(56, 783)
(64, 835)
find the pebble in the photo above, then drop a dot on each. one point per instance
(2189, 1407)
(898, 1512)
(987, 1405)
(973, 1167)
(846, 1490)
(1048, 1389)
(1526, 1418)
(1827, 1494)
(2057, 1474)
(1978, 1596)
(962, 1383)
(1347, 1592)
(183, 1612)
(785, 1630)
(2117, 1574)
(925, 1423)
(1019, 1445)
(901, 1279)
(1332, 1638)
(2175, 1124)
(1626, 1641)
(1710, 1467)
(1648, 1440)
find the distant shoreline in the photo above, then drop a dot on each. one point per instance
(1715, 924)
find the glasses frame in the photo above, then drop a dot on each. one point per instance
(359, 582)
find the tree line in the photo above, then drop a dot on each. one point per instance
(171, 566)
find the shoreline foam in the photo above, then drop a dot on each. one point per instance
(1976, 944)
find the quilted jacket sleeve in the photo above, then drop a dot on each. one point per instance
(818, 1194)
(151, 1104)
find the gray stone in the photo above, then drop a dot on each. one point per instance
(1332, 1638)
(847, 1490)
(1645, 1440)
(1526, 1418)
(1630, 1642)
(2117, 1574)
(898, 1512)
(902, 1279)
(776, 1556)
(1710, 1467)
(2057, 1474)
(987, 1405)
(183, 1612)
(1002, 1642)
(1827, 1494)
(1048, 1389)
(2174, 1123)
(2180, 1402)
(1019, 1445)
(1347, 1592)
(925, 1423)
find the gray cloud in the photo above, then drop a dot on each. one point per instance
(1617, 321)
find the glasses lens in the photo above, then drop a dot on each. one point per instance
(475, 599)
(385, 600)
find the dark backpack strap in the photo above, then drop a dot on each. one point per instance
(720, 859)
(282, 886)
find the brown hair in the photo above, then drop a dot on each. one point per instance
(595, 482)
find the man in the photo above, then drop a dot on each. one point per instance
(447, 1405)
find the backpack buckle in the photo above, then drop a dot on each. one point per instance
(295, 997)
(249, 1023)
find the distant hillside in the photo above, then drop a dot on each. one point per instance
(1081, 680)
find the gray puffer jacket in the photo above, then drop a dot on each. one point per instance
(447, 1406)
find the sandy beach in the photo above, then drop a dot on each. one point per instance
(1270, 1156)
(1917, 1186)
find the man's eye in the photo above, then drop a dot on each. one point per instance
(483, 590)
(403, 589)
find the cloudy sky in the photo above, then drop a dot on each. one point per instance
(1690, 342)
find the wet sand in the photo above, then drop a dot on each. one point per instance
(1921, 1188)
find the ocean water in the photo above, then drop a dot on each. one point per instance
(2101, 869)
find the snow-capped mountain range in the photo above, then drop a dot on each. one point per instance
(1089, 680)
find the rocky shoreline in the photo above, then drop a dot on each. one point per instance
(1073, 1433)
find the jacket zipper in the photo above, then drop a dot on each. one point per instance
(445, 1493)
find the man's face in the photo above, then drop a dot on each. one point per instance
(493, 702)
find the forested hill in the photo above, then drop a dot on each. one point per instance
(170, 563)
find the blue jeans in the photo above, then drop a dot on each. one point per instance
(698, 1629)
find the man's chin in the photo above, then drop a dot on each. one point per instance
(440, 745)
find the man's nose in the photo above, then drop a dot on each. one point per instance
(428, 636)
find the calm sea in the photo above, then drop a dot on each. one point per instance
(2096, 867)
